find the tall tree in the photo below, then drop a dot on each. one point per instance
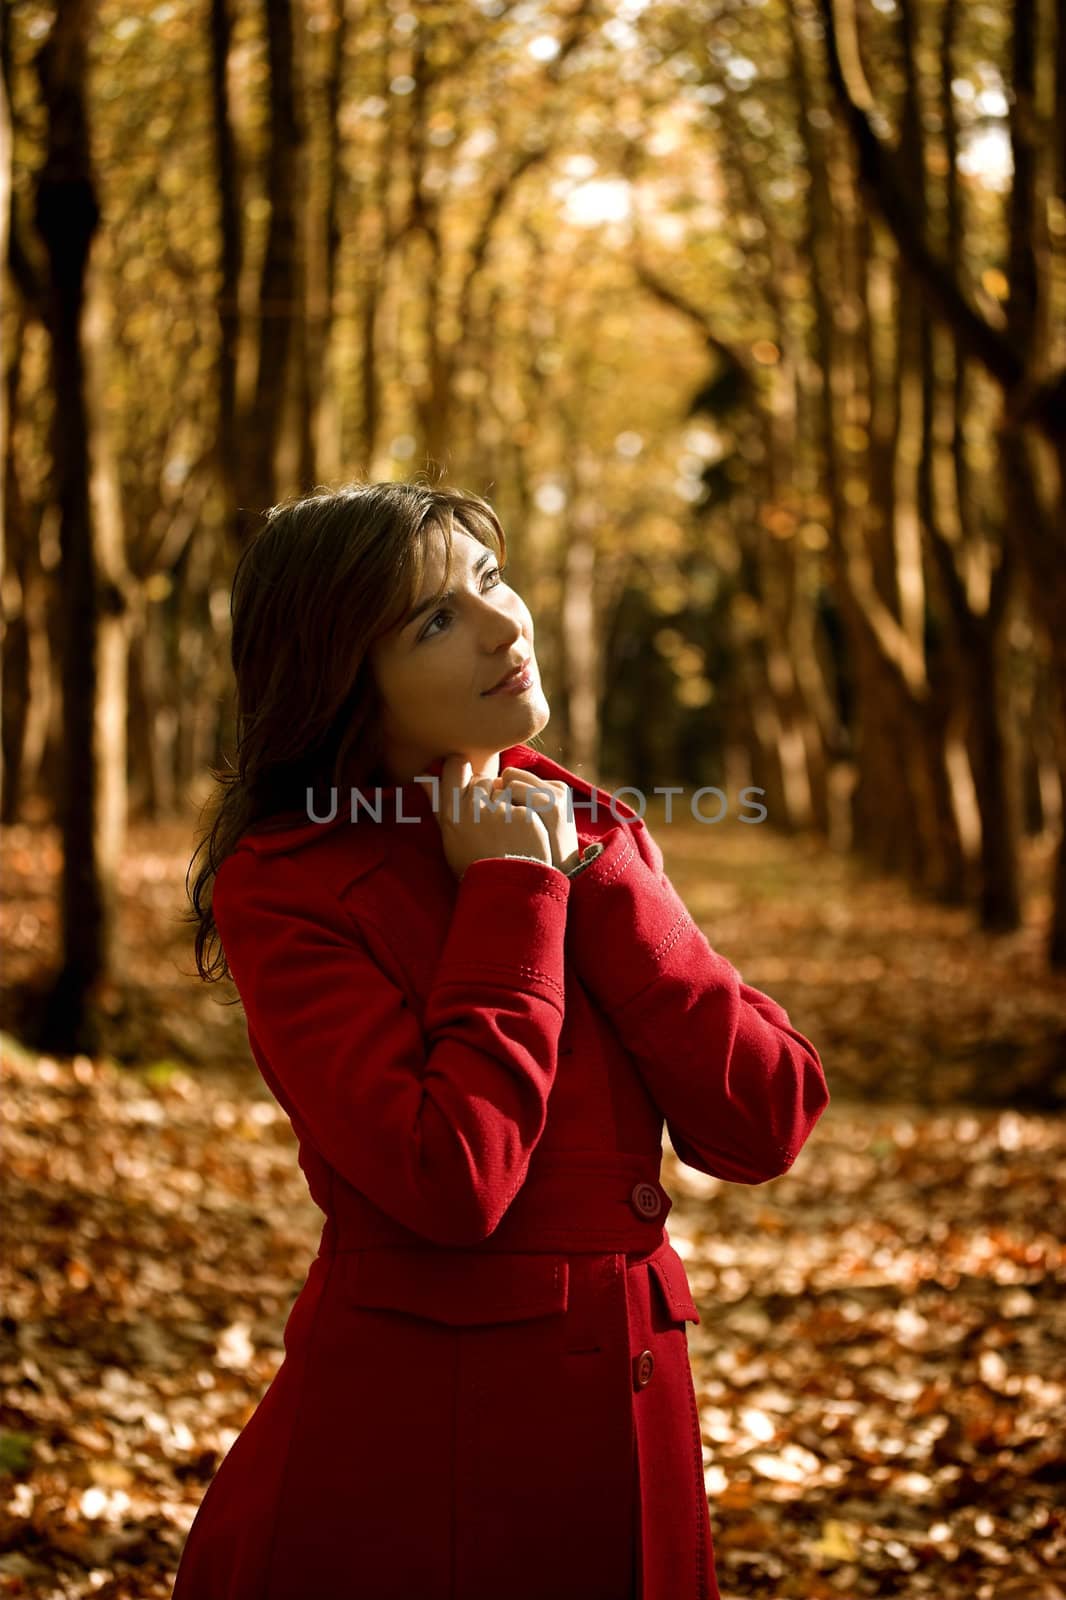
(5, 424)
(231, 249)
(67, 216)
(249, 436)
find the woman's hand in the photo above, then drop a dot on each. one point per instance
(470, 836)
(557, 816)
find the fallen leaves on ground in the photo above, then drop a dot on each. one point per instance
(878, 1365)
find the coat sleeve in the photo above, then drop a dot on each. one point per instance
(434, 1125)
(739, 1087)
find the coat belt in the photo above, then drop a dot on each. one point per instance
(582, 1203)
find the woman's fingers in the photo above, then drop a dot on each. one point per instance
(539, 789)
(556, 816)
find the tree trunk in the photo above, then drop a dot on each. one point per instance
(279, 307)
(7, 390)
(978, 637)
(227, 303)
(67, 215)
(880, 824)
(579, 629)
(317, 429)
(1024, 464)
(16, 560)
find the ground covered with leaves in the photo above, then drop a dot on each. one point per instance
(880, 1360)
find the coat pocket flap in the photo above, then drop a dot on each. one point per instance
(669, 1270)
(459, 1288)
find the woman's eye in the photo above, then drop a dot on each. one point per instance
(493, 572)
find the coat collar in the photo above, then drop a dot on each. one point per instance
(405, 811)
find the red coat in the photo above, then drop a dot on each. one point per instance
(486, 1392)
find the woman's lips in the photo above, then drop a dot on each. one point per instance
(517, 684)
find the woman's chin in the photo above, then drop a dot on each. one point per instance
(538, 714)
(521, 716)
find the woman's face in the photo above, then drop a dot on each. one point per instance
(432, 670)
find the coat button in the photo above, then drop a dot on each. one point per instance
(643, 1367)
(646, 1200)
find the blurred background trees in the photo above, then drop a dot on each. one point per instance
(747, 317)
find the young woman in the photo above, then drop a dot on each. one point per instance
(477, 996)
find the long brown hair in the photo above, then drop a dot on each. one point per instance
(325, 576)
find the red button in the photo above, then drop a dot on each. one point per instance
(643, 1367)
(646, 1200)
